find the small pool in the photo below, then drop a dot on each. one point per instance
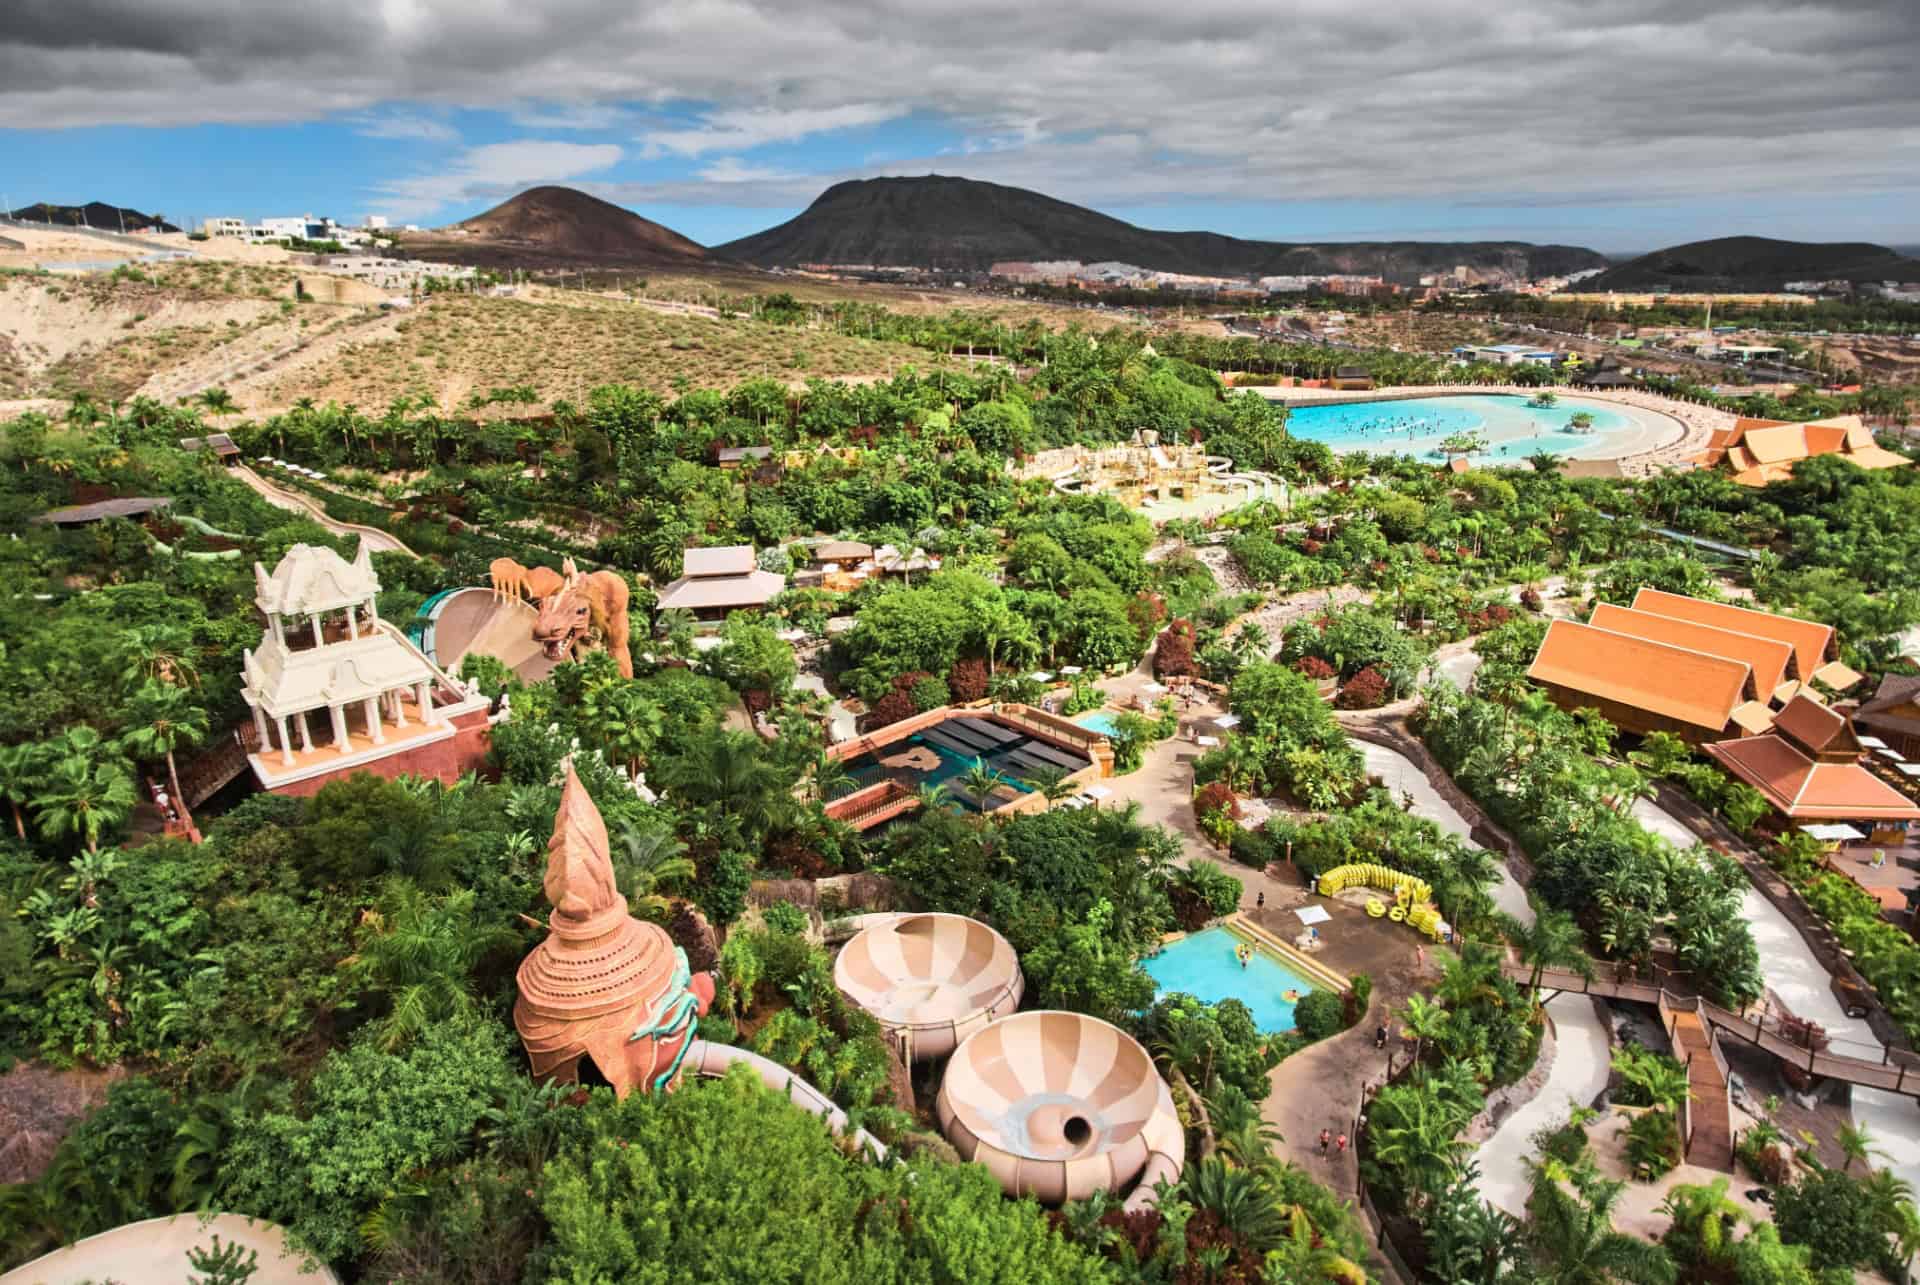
(1204, 966)
(1513, 428)
(1102, 721)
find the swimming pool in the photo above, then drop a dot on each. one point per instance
(1513, 428)
(1204, 966)
(944, 753)
(1103, 721)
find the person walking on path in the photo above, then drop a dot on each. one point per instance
(1260, 901)
(1340, 1144)
(1326, 1136)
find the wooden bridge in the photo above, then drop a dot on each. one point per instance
(865, 808)
(1896, 1070)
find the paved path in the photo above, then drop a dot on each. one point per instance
(154, 1252)
(1581, 1059)
(377, 540)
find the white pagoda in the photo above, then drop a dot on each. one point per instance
(326, 648)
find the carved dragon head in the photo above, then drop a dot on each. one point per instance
(566, 615)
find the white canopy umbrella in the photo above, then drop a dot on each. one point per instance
(1041, 676)
(1153, 687)
(1071, 669)
(1911, 769)
(1207, 742)
(1895, 755)
(1098, 792)
(1227, 721)
(1832, 833)
(1873, 742)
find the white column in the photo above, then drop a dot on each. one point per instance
(286, 746)
(319, 638)
(353, 623)
(399, 708)
(373, 721)
(339, 717)
(423, 694)
(260, 726)
(306, 732)
(273, 623)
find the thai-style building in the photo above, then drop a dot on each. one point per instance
(1704, 671)
(719, 581)
(334, 689)
(1809, 768)
(1892, 713)
(606, 998)
(1758, 451)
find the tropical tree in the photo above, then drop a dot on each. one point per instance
(159, 652)
(22, 769)
(218, 401)
(1572, 1236)
(1856, 1143)
(649, 857)
(420, 953)
(1553, 939)
(164, 719)
(83, 797)
(980, 781)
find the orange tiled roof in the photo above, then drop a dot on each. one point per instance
(1809, 639)
(1813, 727)
(1806, 790)
(1759, 451)
(1673, 682)
(1766, 657)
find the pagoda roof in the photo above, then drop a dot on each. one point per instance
(1768, 658)
(311, 579)
(282, 681)
(1802, 788)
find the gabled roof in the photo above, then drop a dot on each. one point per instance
(131, 506)
(1810, 640)
(690, 593)
(1768, 658)
(311, 579)
(1759, 451)
(1673, 682)
(281, 681)
(1805, 790)
(727, 560)
(1814, 728)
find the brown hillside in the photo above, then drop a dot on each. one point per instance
(557, 225)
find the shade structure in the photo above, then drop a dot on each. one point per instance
(1041, 676)
(1153, 687)
(931, 979)
(1312, 914)
(1832, 833)
(1071, 669)
(1060, 1105)
(1098, 792)
(1872, 742)
(1227, 721)
(1886, 753)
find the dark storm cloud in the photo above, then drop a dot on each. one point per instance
(1137, 100)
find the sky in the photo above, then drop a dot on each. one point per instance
(1616, 124)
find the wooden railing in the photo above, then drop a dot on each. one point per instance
(1895, 1070)
(204, 775)
(867, 807)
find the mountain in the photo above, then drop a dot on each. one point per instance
(1736, 263)
(967, 225)
(546, 226)
(94, 214)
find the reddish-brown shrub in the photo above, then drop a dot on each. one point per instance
(1530, 599)
(1314, 667)
(1365, 690)
(967, 680)
(1146, 611)
(1216, 796)
(1173, 653)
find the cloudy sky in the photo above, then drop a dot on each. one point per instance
(1620, 124)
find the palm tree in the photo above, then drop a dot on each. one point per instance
(827, 775)
(421, 957)
(652, 858)
(980, 781)
(165, 719)
(83, 798)
(732, 773)
(1701, 1233)
(1572, 1236)
(1553, 938)
(1856, 1143)
(22, 768)
(161, 652)
(1424, 1020)
(1050, 784)
(1240, 1198)
(1663, 1081)
(218, 401)
(1303, 1255)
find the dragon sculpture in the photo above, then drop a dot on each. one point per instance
(583, 607)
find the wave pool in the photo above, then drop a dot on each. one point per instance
(1511, 427)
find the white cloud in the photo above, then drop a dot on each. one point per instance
(407, 126)
(739, 129)
(494, 170)
(1739, 102)
(731, 169)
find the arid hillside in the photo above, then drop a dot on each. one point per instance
(165, 330)
(561, 345)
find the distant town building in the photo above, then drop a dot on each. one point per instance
(377, 222)
(1506, 354)
(227, 227)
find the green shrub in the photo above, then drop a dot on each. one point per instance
(1319, 1014)
(1653, 1144)
(785, 917)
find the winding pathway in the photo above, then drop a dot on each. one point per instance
(377, 540)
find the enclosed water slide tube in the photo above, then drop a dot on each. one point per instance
(932, 980)
(1060, 1105)
(712, 1061)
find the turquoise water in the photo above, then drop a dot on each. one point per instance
(1101, 721)
(1204, 966)
(1513, 429)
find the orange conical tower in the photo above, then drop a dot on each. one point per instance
(603, 985)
